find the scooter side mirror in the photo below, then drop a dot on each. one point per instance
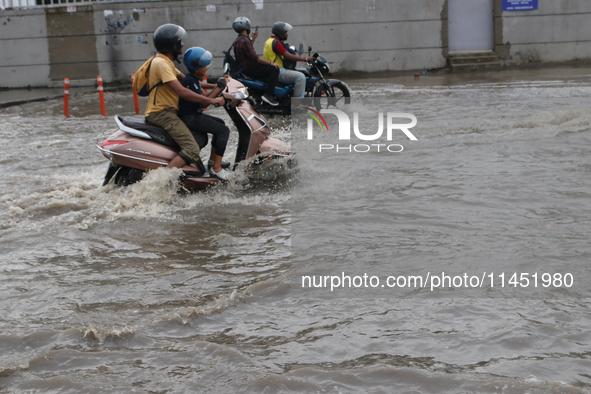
(301, 48)
(309, 49)
(221, 83)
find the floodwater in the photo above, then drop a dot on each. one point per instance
(144, 290)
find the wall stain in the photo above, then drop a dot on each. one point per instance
(116, 22)
(126, 39)
(68, 30)
(444, 30)
(503, 50)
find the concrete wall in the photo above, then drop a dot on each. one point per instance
(368, 35)
(559, 30)
(23, 45)
(40, 47)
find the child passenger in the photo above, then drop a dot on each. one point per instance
(197, 60)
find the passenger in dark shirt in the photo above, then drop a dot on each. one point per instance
(197, 60)
(253, 65)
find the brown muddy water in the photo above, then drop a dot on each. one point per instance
(144, 290)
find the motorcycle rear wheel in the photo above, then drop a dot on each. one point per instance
(331, 96)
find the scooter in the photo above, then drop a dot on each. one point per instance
(137, 146)
(316, 86)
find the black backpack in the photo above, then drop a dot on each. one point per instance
(287, 64)
(235, 67)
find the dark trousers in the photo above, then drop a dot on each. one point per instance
(201, 124)
(262, 72)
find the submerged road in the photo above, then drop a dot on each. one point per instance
(140, 289)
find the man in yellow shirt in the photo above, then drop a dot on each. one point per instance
(275, 51)
(163, 102)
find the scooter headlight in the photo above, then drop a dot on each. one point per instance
(241, 94)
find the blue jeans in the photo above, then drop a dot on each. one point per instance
(292, 77)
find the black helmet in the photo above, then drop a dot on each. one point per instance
(167, 38)
(241, 23)
(280, 29)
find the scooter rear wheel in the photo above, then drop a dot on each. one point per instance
(127, 176)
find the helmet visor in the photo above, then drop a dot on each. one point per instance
(180, 34)
(204, 60)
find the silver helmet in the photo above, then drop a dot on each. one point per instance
(241, 23)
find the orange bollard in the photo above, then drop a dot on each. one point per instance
(136, 99)
(66, 97)
(205, 80)
(101, 95)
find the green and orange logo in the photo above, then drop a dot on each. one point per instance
(315, 115)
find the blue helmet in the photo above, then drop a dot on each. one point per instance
(196, 57)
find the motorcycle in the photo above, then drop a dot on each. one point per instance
(137, 146)
(317, 86)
